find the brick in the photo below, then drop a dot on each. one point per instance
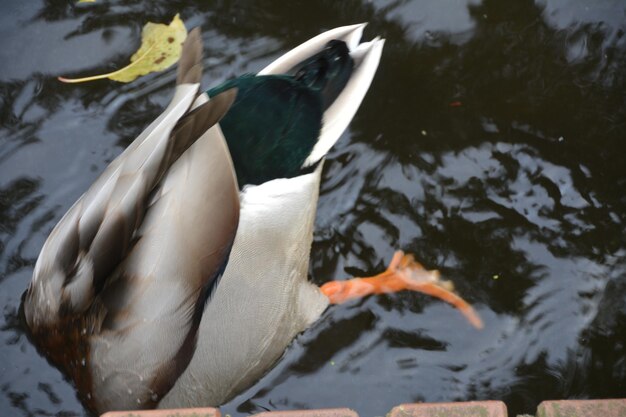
(328, 412)
(182, 412)
(465, 409)
(582, 408)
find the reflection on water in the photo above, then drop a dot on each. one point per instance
(490, 145)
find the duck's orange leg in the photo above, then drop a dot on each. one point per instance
(403, 273)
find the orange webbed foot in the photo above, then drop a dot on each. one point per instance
(403, 273)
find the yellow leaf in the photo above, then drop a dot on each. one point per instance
(161, 46)
(86, 1)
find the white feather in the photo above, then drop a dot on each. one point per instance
(349, 34)
(263, 299)
(339, 115)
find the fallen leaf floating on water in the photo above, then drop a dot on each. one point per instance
(86, 1)
(161, 46)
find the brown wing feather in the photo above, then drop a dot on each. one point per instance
(95, 235)
(99, 248)
(181, 246)
(193, 125)
(190, 62)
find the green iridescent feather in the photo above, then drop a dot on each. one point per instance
(276, 119)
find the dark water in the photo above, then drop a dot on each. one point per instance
(491, 145)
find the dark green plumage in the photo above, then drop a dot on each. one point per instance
(275, 120)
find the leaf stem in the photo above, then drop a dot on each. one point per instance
(107, 75)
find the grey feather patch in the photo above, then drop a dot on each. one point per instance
(110, 246)
(68, 248)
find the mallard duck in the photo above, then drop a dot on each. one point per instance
(179, 278)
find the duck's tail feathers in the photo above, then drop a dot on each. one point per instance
(338, 115)
(327, 71)
(351, 35)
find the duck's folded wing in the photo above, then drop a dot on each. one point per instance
(97, 232)
(153, 302)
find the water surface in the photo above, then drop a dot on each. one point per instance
(491, 145)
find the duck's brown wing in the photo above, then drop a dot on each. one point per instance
(113, 264)
(155, 299)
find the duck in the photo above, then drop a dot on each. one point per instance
(179, 277)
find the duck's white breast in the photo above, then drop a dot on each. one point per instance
(263, 299)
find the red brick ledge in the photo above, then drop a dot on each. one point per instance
(583, 408)
(465, 409)
(564, 408)
(182, 412)
(324, 412)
